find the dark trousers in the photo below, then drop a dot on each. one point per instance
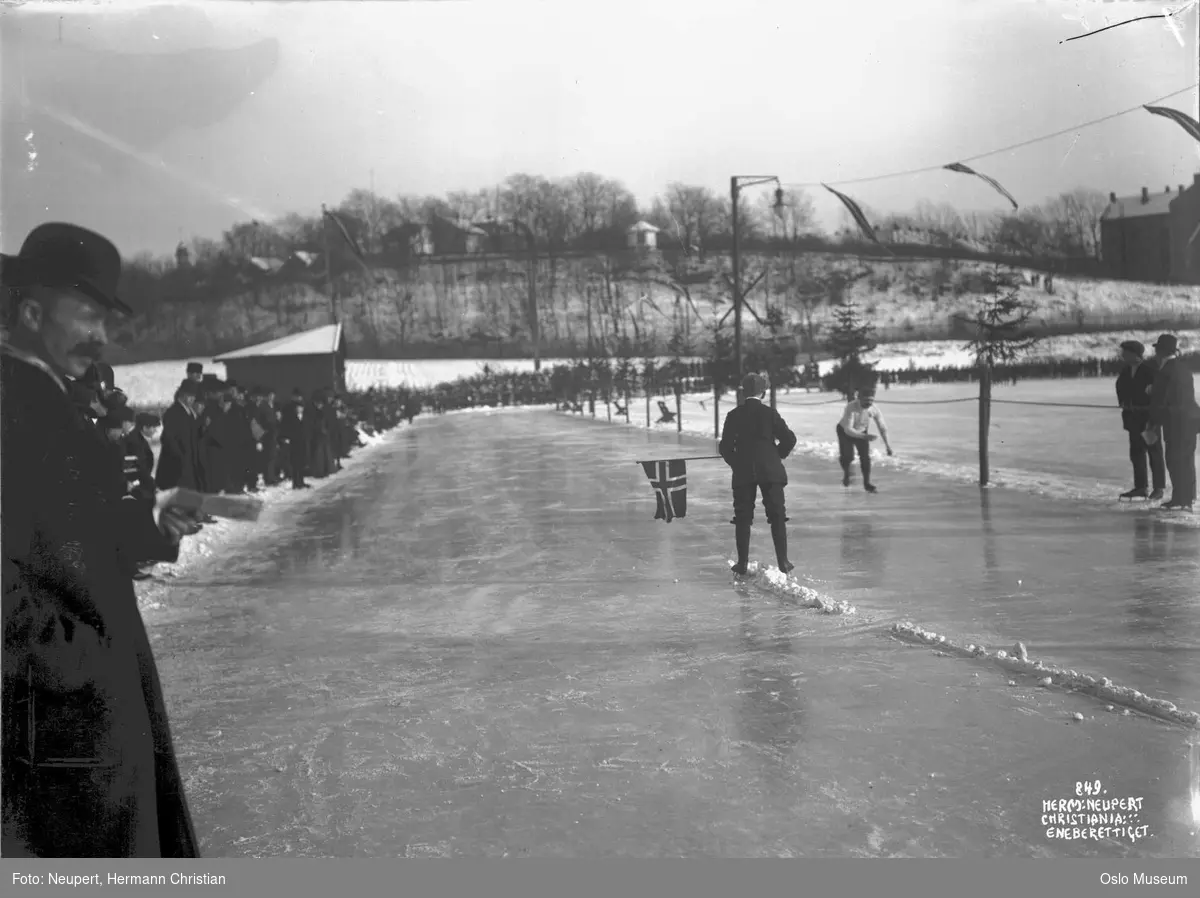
(1180, 444)
(1139, 452)
(299, 466)
(744, 498)
(847, 446)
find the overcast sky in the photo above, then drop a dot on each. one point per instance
(457, 95)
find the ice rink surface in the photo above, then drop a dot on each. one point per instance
(479, 642)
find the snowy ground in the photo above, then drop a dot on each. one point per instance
(154, 383)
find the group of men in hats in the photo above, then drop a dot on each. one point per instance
(219, 438)
(89, 766)
(1157, 397)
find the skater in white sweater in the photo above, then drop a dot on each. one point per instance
(854, 436)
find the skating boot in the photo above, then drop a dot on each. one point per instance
(742, 538)
(1156, 495)
(870, 487)
(1137, 494)
(779, 536)
(846, 477)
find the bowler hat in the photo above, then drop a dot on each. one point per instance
(1134, 346)
(1166, 343)
(188, 388)
(195, 368)
(56, 254)
(754, 385)
(148, 419)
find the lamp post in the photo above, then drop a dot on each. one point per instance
(736, 183)
(534, 324)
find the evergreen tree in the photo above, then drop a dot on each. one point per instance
(850, 339)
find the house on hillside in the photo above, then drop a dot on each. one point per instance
(1136, 235)
(310, 360)
(642, 236)
(502, 237)
(408, 241)
(456, 238)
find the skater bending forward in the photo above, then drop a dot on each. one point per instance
(754, 442)
(853, 436)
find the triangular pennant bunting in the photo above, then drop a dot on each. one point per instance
(963, 169)
(1182, 119)
(350, 241)
(669, 480)
(855, 211)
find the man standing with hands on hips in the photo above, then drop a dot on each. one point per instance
(754, 442)
(853, 436)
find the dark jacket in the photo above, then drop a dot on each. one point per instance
(754, 441)
(1133, 395)
(298, 433)
(179, 454)
(1173, 399)
(89, 768)
(137, 447)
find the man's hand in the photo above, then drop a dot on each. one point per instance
(174, 524)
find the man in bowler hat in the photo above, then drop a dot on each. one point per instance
(1133, 393)
(1173, 408)
(89, 769)
(754, 442)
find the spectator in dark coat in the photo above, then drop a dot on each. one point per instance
(89, 769)
(138, 447)
(1134, 384)
(268, 420)
(1173, 408)
(219, 445)
(754, 442)
(320, 457)
(296, 429)
(179, 463)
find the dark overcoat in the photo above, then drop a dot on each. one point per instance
(1133, 394)
(754, 442)
(89, 769)
(179, 454)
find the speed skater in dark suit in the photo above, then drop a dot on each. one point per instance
(754, 442)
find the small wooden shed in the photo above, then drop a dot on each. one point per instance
(311, 360)
(642, 235)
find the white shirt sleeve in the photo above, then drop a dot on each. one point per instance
(879, 422)
(847, 421)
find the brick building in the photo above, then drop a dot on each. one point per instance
(1152, 236)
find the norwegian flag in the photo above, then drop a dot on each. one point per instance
(966, 170)
(669, 480)
(1182, 119)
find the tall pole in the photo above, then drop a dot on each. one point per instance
(737, 293)
(534, 323)
(333, 315)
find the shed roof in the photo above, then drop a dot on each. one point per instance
(319, 341)
(642, 226)
(1133, 207)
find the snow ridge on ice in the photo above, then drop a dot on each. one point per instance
(773, 580)
(1017, 660)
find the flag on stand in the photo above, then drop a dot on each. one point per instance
(963, 169)
(1182, 119)
(669, 480)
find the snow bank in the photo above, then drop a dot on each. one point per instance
(215, 539)
(1018, 662)
(772, 580)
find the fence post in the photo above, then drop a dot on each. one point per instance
(985, 419)
(716, 412)
(647, 405)
(678, 409)
(628, 414)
